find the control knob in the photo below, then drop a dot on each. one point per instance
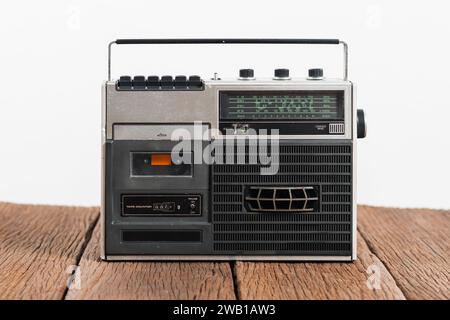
(361, 127)
(281, 74)
(315, 74)
(246, 74)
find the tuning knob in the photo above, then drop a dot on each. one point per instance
(246, 74)
(361, 127)
(281, 74)
(315, 74)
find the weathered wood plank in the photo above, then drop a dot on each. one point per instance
(414, 244)
(38, 246)
(291, 280)
(150, 280)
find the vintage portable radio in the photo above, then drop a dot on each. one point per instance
(281, 185)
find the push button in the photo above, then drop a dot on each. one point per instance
(153, 82)
(180, 82)
(167, 82)
(125, 82)
(139, 82)
(195, 82)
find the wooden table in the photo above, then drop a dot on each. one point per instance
(402, 254)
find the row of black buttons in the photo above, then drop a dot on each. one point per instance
(163, 83)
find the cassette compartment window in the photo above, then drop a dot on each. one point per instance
(159, 164)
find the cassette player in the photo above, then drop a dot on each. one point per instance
(248, 168)
(167, 205)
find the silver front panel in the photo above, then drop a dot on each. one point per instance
(190, 106)
(158, 107)
(159, 132)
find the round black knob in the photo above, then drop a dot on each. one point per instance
(361, 127)
(281, 73)
(315, 73)
(246, 73)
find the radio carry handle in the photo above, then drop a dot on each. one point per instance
(230, 41)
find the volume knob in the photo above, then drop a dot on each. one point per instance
(281, 74)
(315, 74)
(361, 127)
(246, 74)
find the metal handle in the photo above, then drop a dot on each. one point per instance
(230, 41)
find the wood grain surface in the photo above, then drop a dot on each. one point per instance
(39, 247)
(336, 280)
(414, 244)
(150, 280)
(402, 254)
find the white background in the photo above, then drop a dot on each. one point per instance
(53, 61)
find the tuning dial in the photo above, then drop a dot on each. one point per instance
(281, 74)
(246, 74)
(361, 126)
(315, 74)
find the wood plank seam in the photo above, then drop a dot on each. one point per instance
(86, 240)
(39, 247)
(235, 281)
(383, 263)
(157, 280)
(388, 268)
(366, 278)
(414, 244)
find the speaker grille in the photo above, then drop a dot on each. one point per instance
(303, 209)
